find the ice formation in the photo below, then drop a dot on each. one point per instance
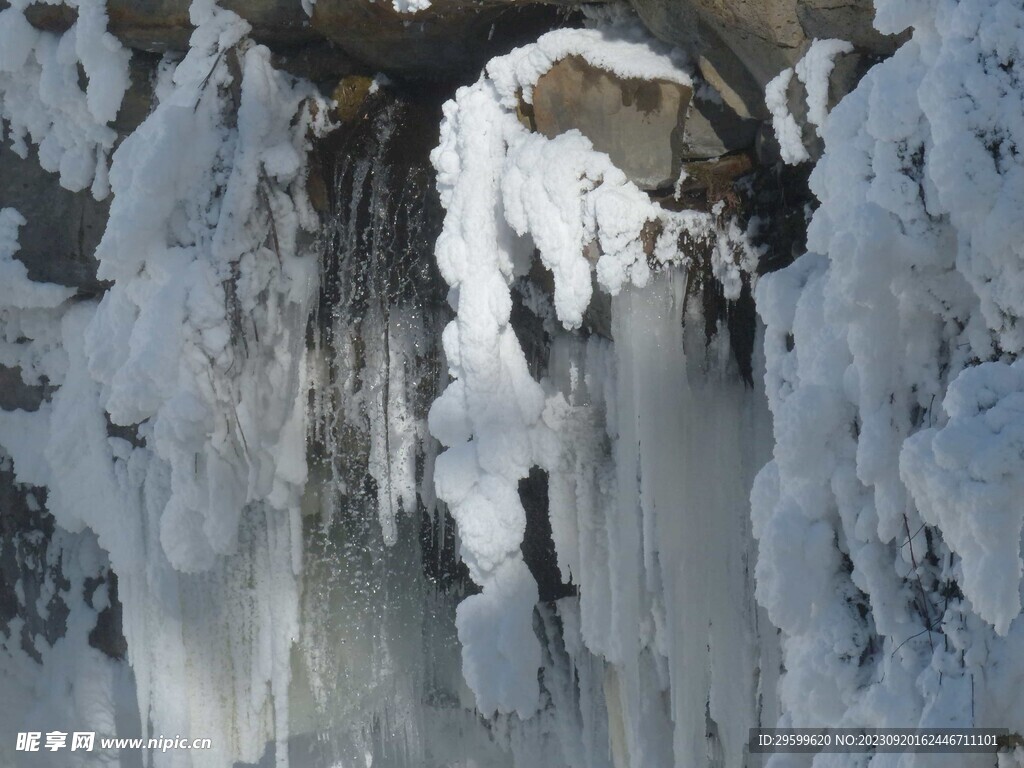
(888, 521)
(197, 352)
(40, 97)
(410, 6)
(884, 531)
(618, 516)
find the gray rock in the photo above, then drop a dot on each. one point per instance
(848, 20)
(26, 576)
(63, 228)
(735, 53)
(450, 39)
(713, 129)
(639, 123)
(15, 394)
(847, 71)
(58, 242)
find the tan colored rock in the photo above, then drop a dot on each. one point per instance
(742, 44)
(713, 129)
(638, 123)
(350, 96)
(161, 25)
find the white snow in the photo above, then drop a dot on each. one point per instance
(197, 347)
(888, 522)
(410, 6)
(787, 131)
(625, 451)
(506, 191)
(967, 480)
(41, 100)
(813, 71)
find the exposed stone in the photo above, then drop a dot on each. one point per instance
(108, 634)
(766, 146)
(740, 45)
(350, 97)
(63, 228)
(638, 123)
(847, 71)
(449, 39)
(162, 25)
(731, 54)
(717, 174)
(319, 61)
(713, 129)
(138, 99)
(15, 394)
(27, 576)
(851, 20)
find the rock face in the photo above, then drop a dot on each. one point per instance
(742, 44)
(63, 228)
(739, 44)
(636, 122)
(714, 129)
(16, 394)
(649, 128)
(161, 25)
(451, 38)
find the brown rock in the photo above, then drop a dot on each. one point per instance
(63, 228)
(639, 123)
(742, 44)
(162, 25)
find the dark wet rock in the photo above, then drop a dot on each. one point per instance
(163, 25)
(63, 228)
(15, 394)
